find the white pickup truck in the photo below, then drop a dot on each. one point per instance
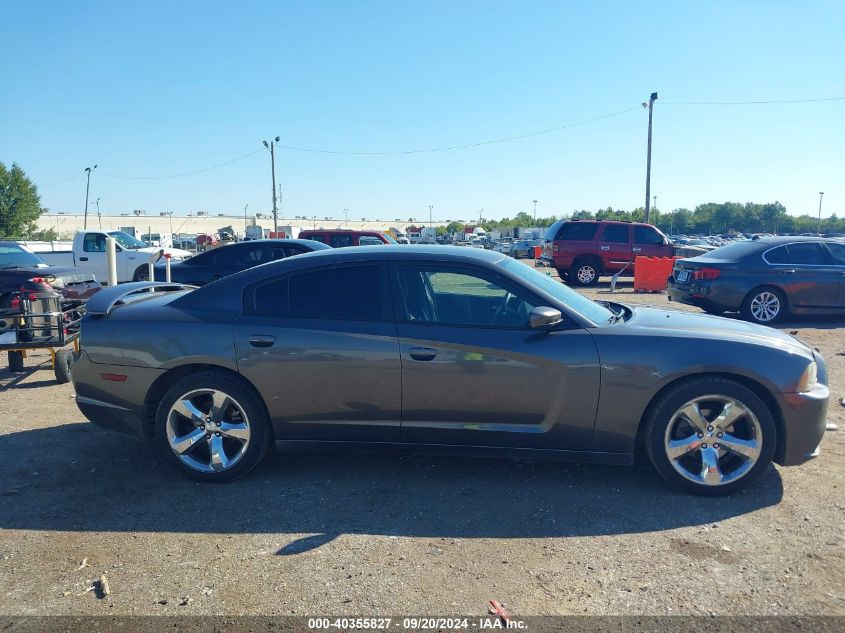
(89, 255)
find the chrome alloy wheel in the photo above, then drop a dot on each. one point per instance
(586, 273)
(765, 306)
(713, 440)
(208, 430)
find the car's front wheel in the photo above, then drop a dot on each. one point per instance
(710, 436)
(213, 426)
(764, 305)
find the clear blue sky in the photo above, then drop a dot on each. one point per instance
(160, 88)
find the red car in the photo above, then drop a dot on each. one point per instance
(337, 238)
(583, 250)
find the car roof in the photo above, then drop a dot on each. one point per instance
(230, 288)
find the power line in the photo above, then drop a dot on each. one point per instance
(457, 147)
(188, 173)
(772, 101)
(58, 182)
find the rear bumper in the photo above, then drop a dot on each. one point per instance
(804, 420)
(111, 416)
(707, 297)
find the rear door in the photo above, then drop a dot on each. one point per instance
(811, 279)
(615, 247)
(474, 373)
(320, 345)
(340, 240)
(574, 238)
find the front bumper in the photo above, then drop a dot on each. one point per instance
(804, 421)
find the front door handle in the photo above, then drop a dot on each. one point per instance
(423, 353)
(261, 340)
(605, 248)
(637, 250)
(83, 259)
(788, 271)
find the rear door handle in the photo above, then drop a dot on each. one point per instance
(423, 353)
(605, 248)
(788, 271)
(261, 340)
(83, 259)
(636, 250)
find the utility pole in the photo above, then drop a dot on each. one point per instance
(245, 224)
(654, 201)
(535, 212)
(271, 146)
(99, 217)
(821, 194)
(430, 223)
(88, 170)
(650, 106)
(479, 215)
(346, 218)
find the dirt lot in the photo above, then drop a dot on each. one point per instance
(372, 535)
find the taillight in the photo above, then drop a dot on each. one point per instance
(555, 249)
(706, 274)
(16, 303)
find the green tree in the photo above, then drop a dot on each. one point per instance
(20, 204)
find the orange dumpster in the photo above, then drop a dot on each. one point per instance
(651, 274)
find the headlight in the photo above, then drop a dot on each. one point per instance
(808, 378)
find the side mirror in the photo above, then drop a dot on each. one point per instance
(544, 318)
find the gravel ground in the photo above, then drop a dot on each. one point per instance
(369, 535)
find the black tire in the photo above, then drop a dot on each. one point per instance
(245, 396)
(563, 274)
(16, 362)
(141, 274)
(662, 412)
(752, 306)
(63, 364)
(585, 272)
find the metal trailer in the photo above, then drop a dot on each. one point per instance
(41, 320)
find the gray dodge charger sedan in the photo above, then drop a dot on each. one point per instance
(442, 349)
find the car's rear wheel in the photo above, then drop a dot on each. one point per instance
(142, 273)
(710, 436)
(764, 305)
(585, 272)
(213, 426)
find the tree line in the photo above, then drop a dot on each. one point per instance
(710, 218)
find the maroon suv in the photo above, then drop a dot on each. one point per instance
(338, 238)
(582, 250)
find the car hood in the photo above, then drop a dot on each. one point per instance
(707, 327)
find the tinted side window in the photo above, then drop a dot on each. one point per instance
(94, 243)
(647, 235)
(837, 251)
(347, 294)
(339, 240)
(578, 231)
(615, 233)
(317, 238)
(241, 257)
(778, 255)
(806, 253)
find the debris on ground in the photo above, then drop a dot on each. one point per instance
(83, 564)
(104, 586)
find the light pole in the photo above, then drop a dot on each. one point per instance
(430, 223)
(650, 106)
(346, 218)
(654, 205)
(245, 221)
(88, 170)
(271, 146)
(821, 194)
(535, 211)
(99, 218)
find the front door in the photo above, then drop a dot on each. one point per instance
(649, 242)
(320, 346)
(473, 373)
(811, 279)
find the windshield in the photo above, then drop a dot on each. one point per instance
(596, 313)
(127, 241)
(14, 256)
